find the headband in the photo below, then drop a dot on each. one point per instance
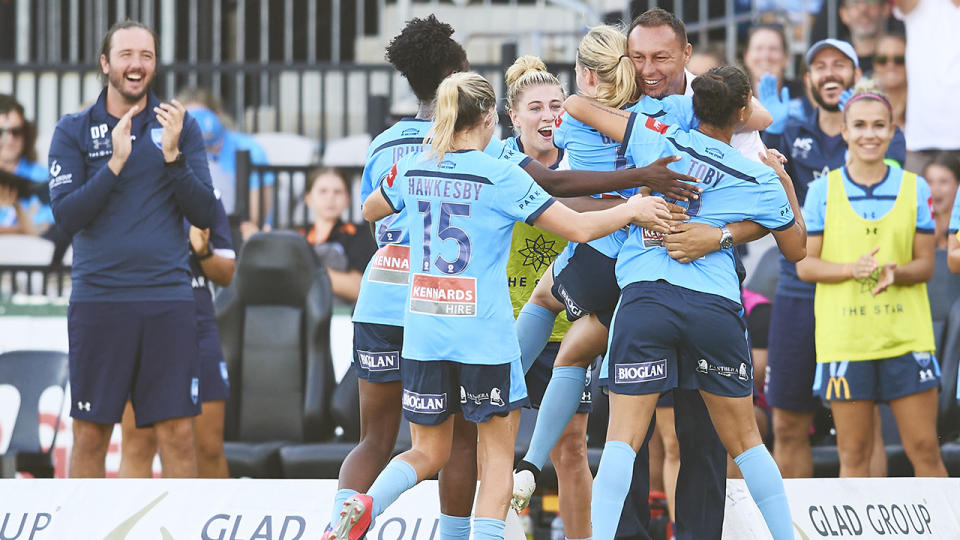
(877, 97)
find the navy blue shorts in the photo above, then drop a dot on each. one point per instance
(145, 352)
(877, 380)
(214, 379)
(665, 336)
(587, 283)
(431, 390)
(791, 355)
(539, 376)
(376, 351)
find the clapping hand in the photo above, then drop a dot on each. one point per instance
(170, 115)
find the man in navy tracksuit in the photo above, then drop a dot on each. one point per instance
(123, 175)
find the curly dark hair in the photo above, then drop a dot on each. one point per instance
(425, 54)
(9, 103)
(718, 93)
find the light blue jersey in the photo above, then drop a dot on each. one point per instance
(461, 212)
(383, 289)
(869, 202)
(735, 189)
(589, 150)
(955, 216)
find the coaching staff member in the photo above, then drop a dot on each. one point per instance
(123, 174)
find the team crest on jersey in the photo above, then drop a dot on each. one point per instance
(156, 135)
(391, 176)
(656, 125)
(559, 119)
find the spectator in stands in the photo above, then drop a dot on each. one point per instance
(131, 320)
(767, 56)
(890, 72)
(18, 156)
(702, 62)
(222, 145)
(866, 21)
(344, 248)
(211, 260)
(870, 252)
(933, 52)
(814, 146)
(943, 176)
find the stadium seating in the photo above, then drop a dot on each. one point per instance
(31, 373)
(274, 323)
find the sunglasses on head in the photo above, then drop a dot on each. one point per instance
(883, 59)
(13, 131)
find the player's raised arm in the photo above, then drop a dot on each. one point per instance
(656, 176)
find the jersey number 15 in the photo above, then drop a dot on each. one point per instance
(446, 231)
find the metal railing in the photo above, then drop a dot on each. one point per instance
(35, 280)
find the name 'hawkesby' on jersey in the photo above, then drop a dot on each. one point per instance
(734, 189)
(383, 289)
(461, 212)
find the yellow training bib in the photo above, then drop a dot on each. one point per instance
(851, 323)
(531, 252)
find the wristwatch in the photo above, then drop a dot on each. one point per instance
(726, 239)
(178, 161)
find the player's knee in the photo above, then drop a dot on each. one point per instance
(175, 434)
(571, 451)
(790, 430)
(671, 448)
(854, 452)
(138, 445)
(922, 450)
(90, 438)
(209, 446)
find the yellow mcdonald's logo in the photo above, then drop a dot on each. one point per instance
(834, 387)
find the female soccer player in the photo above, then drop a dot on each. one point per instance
(534, 99)
(462, 203)
(679, 325)
(870, 252)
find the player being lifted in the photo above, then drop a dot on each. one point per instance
(463, 203)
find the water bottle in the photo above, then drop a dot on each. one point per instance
(556, 528)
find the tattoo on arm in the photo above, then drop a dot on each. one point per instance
(609, 110)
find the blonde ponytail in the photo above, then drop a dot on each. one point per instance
(604, 51)
(527, 72)
(462, 100)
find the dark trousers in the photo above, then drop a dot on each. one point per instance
(701, 485)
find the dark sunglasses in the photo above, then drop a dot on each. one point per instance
(18, 131)
(882, 59)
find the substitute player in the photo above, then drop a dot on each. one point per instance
(871, 252)
(463, 204)
(679, 325)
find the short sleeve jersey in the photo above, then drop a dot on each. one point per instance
(383, 289)
(461, 213)
(869, 202)
(735, 189)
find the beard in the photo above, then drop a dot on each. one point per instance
(818, 97)
(118, 80)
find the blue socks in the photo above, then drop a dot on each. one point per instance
(454, 527)
(397, 477)
(338, 500)
(766, 487)
(560, 401)
(534, 326)
(610, 488)
(487, 529)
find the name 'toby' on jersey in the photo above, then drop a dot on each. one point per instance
(735, 189)
(460, 213)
